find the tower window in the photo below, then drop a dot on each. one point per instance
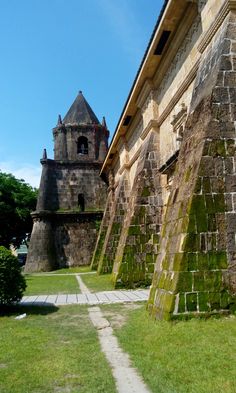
(82, 145)
(81, 203)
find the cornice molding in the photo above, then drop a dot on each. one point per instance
(152, 124)
(148, 86)
(128, 164)
(228, 6)
(177, 96)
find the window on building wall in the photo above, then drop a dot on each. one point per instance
(81, 202)
(82, 145)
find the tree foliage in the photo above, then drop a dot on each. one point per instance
(12, 283)
(17, 200)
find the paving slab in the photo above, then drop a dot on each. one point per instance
(61, 299)
(102, 297)
(92, 298)
(51, 299)
(127, 378)
(41, 299)
(72, 299)
(82, 299)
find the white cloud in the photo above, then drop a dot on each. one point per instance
(30, 173)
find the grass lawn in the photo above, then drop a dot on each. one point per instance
(196, 356)
(48, 285)
(52, 351)
(78, 269)
(97, 283)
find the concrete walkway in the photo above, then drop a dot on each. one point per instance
(106, 297)
(126, 377)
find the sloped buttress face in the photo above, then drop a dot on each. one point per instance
(195, 267)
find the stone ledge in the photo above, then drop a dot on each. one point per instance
(72, 214)
(69, 163)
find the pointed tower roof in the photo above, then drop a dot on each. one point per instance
(80, 112)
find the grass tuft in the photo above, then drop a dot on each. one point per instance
(56, 352)
(179, 357)
(49, 285)
(98, 283)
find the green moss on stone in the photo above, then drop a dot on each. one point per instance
(218, 260)
(198, 186)
(201, 221)
(219, 201)
(206, 185)
(203, 261)
(149, 258)
(211, 223)
(203, 301)
(165, 263)
(214, 300)
(217, 148)
(181, 306)
(168, 302)
(155, 239)
(213, 280)
(192, 224)
(134, 230)
(177, 261)
(192, 261)
(191, 301)
(184, 282)
(115, 228)
(187, 174)
(145, 192)
(192, 242)
(224, 300)
(199, 281)
(210, 205)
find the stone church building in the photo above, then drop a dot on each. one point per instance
(170, 216)
(170, 206)
(72, 195)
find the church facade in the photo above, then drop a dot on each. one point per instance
(72, 195)
(170, 216)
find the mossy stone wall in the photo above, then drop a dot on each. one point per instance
(195, 268)
(139, 238)
(109, 239)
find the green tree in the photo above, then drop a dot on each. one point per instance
(17, 200)
(12, 283)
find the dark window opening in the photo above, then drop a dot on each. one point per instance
(81, 203)
(162, 42)
(127, 120)
(82, 145)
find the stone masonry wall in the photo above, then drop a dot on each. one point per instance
(41, 253)
(61, 184)
(116, 222)
(103, 230)
(138, 242)
(62, 239)
(75, 238)
(195, 268)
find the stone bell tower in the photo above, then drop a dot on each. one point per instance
(71, 195)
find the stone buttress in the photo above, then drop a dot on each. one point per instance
(138, 242)
(113, 231)
(196, 266)
(131, 235)
(72, 195)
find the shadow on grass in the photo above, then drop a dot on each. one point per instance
(18, 309)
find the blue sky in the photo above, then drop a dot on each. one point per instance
(51, 49)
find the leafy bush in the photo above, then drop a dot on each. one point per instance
(12, 283)
(17, 200)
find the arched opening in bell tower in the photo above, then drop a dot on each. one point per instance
(82, 145)
(81, 202)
